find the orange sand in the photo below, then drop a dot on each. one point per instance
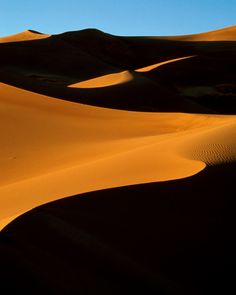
(53, 148)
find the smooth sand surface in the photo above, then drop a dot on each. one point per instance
(225, 34)
(104, 81)
(154, 66)
(53, 148)
(24, 36)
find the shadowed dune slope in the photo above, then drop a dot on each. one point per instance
(173, 237)
(49, 65)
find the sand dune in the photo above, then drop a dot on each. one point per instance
(225, 34)
(24, 36)
(106, 80)
(53, 149)
(120, 77)
(152, 67)
(166, 237)
(97, 67)
(145, 183)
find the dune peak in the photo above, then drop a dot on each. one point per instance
(33, 32)
(26, 35)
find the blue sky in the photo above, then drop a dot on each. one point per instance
(120, 17)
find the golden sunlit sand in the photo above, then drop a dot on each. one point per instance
(53, 148)
(226, 34)
(107, 80)
(151, 67)
(121, 77)
(24, 36)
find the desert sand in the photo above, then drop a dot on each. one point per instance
(53, 148)
(226, 34)
(136, 132)
(24, 36)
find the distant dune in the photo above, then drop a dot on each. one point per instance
(24, 36)
(142, 132)
(226, 34)
(172, 70)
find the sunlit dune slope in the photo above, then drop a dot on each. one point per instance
(52, 148)
(152, 67)
(120, 77)
(24, 36)
(104, 81)
(225, 34)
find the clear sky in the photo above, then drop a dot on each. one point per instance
(120, 17)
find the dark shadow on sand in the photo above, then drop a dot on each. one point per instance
(173, 237)
(48, 66)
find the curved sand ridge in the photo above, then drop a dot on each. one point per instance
(157, 65)
(24, 36)
(106, 80)
(121, 77)
(52, 148)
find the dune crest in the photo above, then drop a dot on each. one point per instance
(121, 77)
(154, 66)
(104, 81)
